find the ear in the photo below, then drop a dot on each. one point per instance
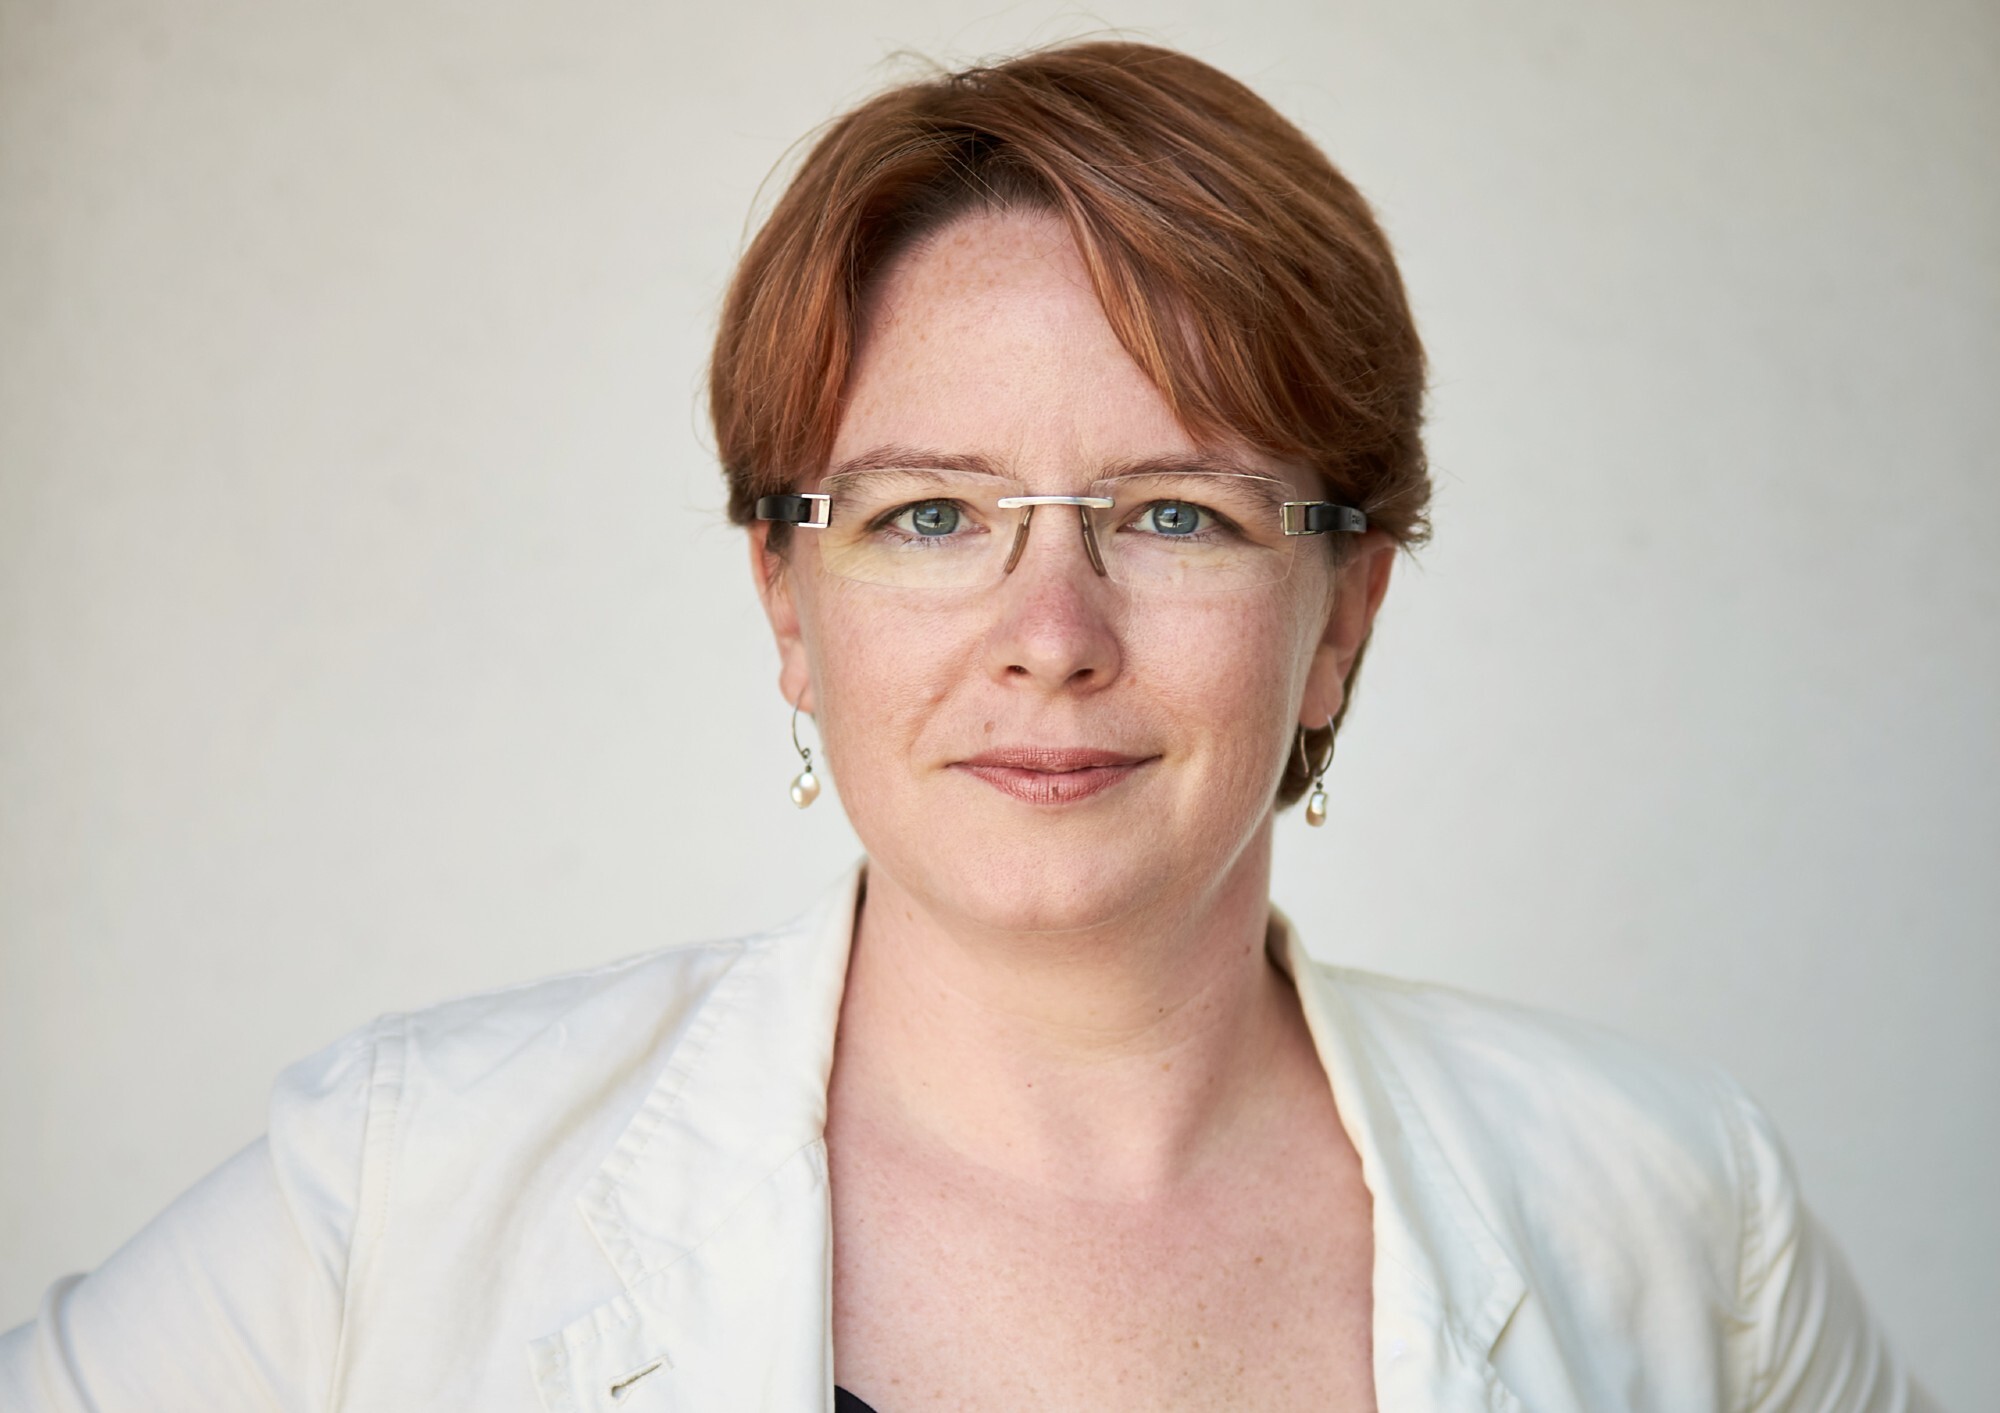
(776, 591)
(1358, 588)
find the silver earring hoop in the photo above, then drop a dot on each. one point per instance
(805, 785)
(1316, 802)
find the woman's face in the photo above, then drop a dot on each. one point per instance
(951, 723)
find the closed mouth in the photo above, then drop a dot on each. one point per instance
(1053, 759)
(1052, 775)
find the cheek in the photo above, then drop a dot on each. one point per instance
(1229, 669)
(880, 670)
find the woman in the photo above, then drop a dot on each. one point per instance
(1073, 407)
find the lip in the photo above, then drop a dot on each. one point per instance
(1052, 775)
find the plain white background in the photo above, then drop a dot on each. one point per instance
(370, 632)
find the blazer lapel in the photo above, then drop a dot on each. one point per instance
(1444, 1286)
(712, 1207)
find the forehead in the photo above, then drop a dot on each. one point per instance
(987, 341)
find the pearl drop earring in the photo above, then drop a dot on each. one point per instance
(805, 785)
(1316, 802)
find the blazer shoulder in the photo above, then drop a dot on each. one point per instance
(421, 1092)
(1575, 1138)
(626, 1010)
(624, 1014)
(1511, 1052)
(1636, 1189)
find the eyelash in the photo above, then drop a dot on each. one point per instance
(887, 520)
(1219, 523)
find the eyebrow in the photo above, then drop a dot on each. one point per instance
(895, 457)
(908, 458)
(1186, 464)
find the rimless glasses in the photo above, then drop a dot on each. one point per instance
(1182, 532)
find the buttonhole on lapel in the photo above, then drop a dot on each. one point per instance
(622, 1386)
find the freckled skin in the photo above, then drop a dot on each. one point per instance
(991, 341)
(1245, 1287)
(1083, 1154)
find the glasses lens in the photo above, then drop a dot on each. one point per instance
(1179, 533)
(1194, 532)
(917, 528)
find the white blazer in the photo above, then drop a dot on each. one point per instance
(608, 1190)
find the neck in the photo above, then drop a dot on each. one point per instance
(1123, 1059)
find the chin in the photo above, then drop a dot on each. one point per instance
(1012, 868)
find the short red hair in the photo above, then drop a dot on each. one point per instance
(1244, 274)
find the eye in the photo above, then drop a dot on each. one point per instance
(1173, 518)
(929, 519)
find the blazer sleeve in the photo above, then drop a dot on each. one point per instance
(232, 1298)
(1813, 1346)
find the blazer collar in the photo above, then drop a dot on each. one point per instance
(712, 1206)
(743, 1091)
(1444, 1284)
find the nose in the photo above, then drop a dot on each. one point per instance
(1059, 618)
